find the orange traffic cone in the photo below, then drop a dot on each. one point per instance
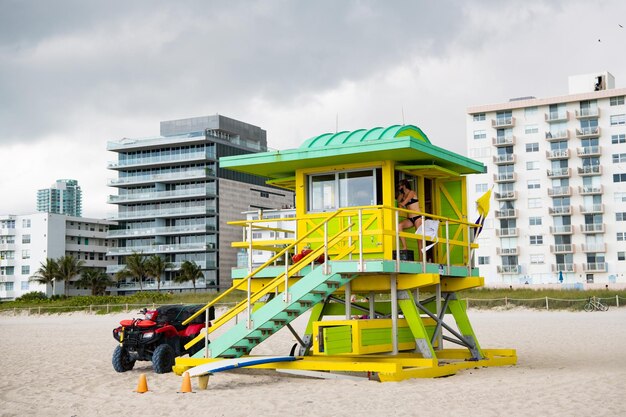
(142, 386)
(186, 385)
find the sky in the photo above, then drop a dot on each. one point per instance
(75, 74)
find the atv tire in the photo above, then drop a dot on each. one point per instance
(163, 359)
(121, 360)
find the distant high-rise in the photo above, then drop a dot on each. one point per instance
(63, 197)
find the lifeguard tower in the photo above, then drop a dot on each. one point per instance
(373, 308)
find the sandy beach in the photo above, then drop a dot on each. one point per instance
(570, 364)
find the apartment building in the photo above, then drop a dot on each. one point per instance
(558, 171)
(27, 240)
(63, 197)
(175, 201)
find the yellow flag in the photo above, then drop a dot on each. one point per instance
(482, 204)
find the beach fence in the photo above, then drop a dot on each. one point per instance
(542, 303)
(93, 309)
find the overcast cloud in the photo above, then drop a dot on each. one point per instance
(76, 74)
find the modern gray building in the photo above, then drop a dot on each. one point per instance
(174, 200)
(63, 197)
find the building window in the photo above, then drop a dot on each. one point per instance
(483, 260)
(25, 223)
(530, 129)
(480, 152)
(619, 177)
(25, 238)
(536, 240)
(532, 147)
(620, 216)
(342, 189)
(25, 286)
(621, 256)
(532, 165)
(479, 117)
(621, 236)
(534, 203)
(480, 134)
(533, 184)
(617, 101)
(619, 197)
(482, 188)
(26, 254)
(618, 119)
(534, 221)
(537, 259)
(8, 286)
(619, 158)
(615, 139)
(25, 269)
(530, 111)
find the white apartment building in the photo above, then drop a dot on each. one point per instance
(281, 224)
(558, 171)
(27, 240)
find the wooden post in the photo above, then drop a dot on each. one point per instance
(547, 308)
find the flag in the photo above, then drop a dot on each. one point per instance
(482, 205)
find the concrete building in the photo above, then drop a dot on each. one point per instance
(558, 168)
(280, 225)
(63, 197)
(175, 201)
(27, 240)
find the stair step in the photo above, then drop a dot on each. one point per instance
(305, 303)
(292, 311)
(318, 291)
(333, 284)
(253, 339)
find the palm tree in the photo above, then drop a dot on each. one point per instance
(135, 268)
(155, 267)
(96, 279)
(46, 274)
(68, 268)
(189, 271)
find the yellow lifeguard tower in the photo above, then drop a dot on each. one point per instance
(344, 261)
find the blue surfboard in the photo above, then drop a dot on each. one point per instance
(229, 364)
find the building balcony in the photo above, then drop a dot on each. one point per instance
(560, 210)
(590, 189)
(509, 269)
(555, 117)
(165, 285)
(7, 232)
(559, 173)
(563, 267)
(503, 141)
(595, 267)
(560, 191)
(155, 142)
(73, 247)
(508, 251)
(152, 249)
(506, 177)
(502, 122)
(557, 135)
(165, 212)
(590, 170)
(588, 132)
(558, 154)
(589, 151)
(161, 160)
(594, 248)
(562, 249)
(161, 231)
(504, 159)
(591, 228)
(506, 214)
(190, 174)
(7, 246)
(162, 195)
(113, 269)
(562, 230)
(506, 196)
(508, 232)
(588, 113)
(592, 209)
(7, 262)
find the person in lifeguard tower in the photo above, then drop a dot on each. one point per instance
(407, 199)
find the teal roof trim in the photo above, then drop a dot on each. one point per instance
(363, 135)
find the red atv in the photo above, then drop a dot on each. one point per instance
(160, 337)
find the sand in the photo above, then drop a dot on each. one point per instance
(570, 364)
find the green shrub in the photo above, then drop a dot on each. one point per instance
(32, 296)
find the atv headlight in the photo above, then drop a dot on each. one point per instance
(147, 335)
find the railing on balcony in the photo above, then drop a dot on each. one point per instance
(557, 116)
(505, 195)
(557, 135)
(507, 232)
(508, 251)
(563, 267)
(594, 247)
(562, 230)
(500, 122)
(589, 151)
(161, 159)
(165, 285)
(153, 231)
(506, 214)
(562, 248)
(590, 170)
(509, 269)
(560, 210)
(559, 173)
(150, 249)
(588, 132)
(592, 209)
(590, 189)
(592, 228)
(558, 154)
(595, 267)
(191, 173)
(560, 191)
(504, 159)
(158, 195)
(587, 113)
(506, 177)
(164, 212)
(503, 141)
